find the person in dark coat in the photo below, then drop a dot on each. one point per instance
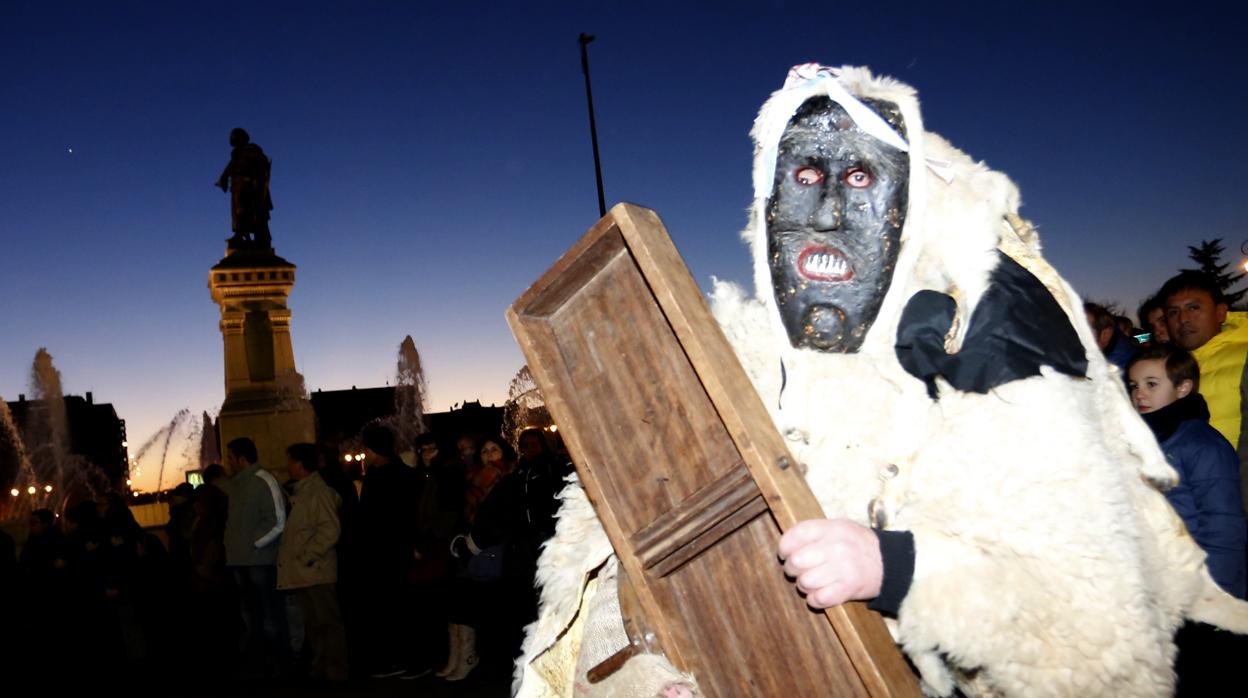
(44, 552)
(125, 578)
(1117, 347)
(388, 533)
(178, 530)
(440, 517)
(441, 496)
(498, 597)
(352, 577)
(47, 581)
(214, 620)
(93, 636)
(1163, 381)
(482, 591)
(545, 472)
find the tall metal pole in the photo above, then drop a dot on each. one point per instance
(593, 127)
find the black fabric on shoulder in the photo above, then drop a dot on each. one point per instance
(1016, 328)
(925, 321)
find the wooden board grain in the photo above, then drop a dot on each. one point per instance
(686, 471)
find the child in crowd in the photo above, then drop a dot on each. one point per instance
(1163, 382)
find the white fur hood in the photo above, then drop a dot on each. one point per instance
(939, 250)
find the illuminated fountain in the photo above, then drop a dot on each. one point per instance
(410, 390)
(159, 443)
(38, 467)
(39, 470)
(13, 459)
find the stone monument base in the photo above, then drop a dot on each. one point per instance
(272, 430)
(264, 394)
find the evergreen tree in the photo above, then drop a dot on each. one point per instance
(1209, 257)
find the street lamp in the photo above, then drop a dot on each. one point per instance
(31, 490)
(47, 488)
(15, 492)
(584, 40)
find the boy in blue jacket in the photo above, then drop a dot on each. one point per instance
(1163, 382)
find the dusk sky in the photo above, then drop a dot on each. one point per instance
(432, 159)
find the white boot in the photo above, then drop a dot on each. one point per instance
(452, 656)
(467, 653)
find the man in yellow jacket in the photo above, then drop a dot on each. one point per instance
(1198, 320)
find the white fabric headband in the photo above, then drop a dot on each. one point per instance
(803, 82)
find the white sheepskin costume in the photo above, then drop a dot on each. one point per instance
(1048, 562)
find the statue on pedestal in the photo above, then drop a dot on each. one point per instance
(246, 178)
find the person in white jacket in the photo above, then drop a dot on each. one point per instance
(253, 529)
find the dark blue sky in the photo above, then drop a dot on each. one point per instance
(431, 159)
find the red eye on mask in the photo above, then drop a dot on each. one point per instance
(808, 176)
(858, 178)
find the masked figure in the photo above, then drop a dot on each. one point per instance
(937, 380)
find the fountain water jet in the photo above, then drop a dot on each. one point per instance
(410, 390)
(38, 456)
(209, 444)
(47, 424)
(13, 459)
(163, 436)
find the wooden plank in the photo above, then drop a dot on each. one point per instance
(663, 426)
(705, 538)
(529, 320)
(697, 514)
(882, 668)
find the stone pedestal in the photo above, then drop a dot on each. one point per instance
(265, 398)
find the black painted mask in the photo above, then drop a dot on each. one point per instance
(834, 224)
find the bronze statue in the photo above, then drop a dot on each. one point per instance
(247, 180)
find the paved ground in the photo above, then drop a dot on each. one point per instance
(428, 687)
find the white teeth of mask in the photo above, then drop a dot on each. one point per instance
(826, 264)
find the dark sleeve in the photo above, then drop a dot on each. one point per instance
(1220, 531)
(897, 552)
